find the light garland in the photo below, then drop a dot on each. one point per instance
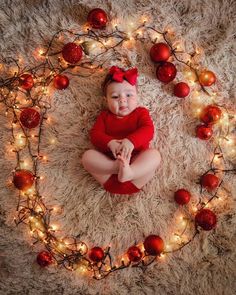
(70, 252)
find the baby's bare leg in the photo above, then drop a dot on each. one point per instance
(142, 169)
(99, 165)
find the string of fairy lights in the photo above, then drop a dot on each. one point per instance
(25, 93)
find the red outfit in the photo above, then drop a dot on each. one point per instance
(137, 127)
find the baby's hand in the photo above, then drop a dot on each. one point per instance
(115, 146)
(126, 148)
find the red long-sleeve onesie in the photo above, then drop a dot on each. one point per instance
(137, 127)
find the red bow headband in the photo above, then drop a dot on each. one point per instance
(117, 74)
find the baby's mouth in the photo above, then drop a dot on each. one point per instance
(122, 108)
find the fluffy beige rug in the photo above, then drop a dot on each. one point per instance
(206, 265)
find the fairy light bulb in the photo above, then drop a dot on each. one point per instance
(40, 51)
(168, 247)
(25, 164)
(61, 246)
(162, 256)
(20, 141)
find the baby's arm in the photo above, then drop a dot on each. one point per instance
(98, 135)
(145, 131)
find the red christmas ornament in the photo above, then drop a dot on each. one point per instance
(96, 254)
(166, 72)
(182, 196)
(134, 254)
(44, 258)
(206, 219)
(153, 245)
(181, 89)
(61, 82)
(204, 132)
(97, 18)
(72, 52)
(160, 52)
(30, 118)
(23, 179)
(210, 181)
(26, 81)
(211, 114)
(207, 78)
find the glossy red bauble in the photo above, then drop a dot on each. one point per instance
(97, 18)
(30, 118)
(206, 219)
(181, 89)
(204, 132)
(44, 258)
(211, 114)
(72, 52)
(96, 254)
(182, 196)
(61, 82)
(207, 78)
(153, 245)
(23, 179)
(26, 81)
(160, 52)
(134, 254)
(210, 181)
(166, 72)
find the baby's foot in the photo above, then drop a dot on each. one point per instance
(125, 172)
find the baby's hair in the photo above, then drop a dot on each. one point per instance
(106, 82)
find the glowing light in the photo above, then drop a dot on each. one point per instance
(29, 191)
(194, 209)
(40, 52)
(54, 227)
(20, 141)
(162, 256)
(25, 164)
(168, 247)
(39, 209)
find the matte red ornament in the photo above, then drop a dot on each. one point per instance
(72, 52)
(204, 132)
(134, 254)
(160, 52)
(206, 219)
(30, 118)
(61, 82)
(153, 245)
(210, 181)
(96, 254)
(26, 81)
(44, 258)
(97, 18)
(166, 72)
(182, 196)
(23, 179)
(181, 89)
(207, 78)
(211, 114)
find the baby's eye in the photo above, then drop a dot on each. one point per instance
(114, 96)
(129, 95)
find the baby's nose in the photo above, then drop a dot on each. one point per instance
(122, 98)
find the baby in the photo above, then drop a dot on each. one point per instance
(123, 162)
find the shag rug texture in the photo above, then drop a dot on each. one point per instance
(205, 266)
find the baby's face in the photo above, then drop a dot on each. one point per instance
(122, 98)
